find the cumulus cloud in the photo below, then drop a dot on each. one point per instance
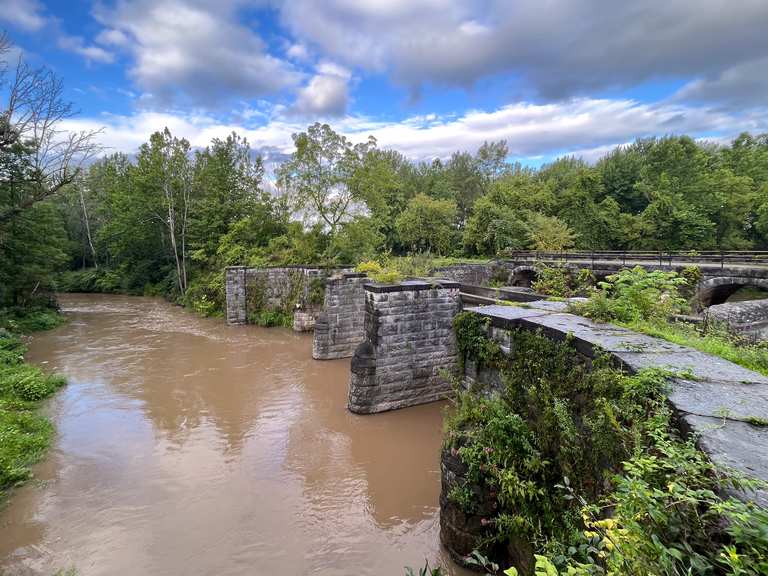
(326, 94)
(583, 126)
(77, 45)
(560, 47)
(194, 48)
(23, 14)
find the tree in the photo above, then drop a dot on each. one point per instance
(428, 224)
(550, 233)
(226, 189)
(37, 157)
(164, 170)
(318, 174)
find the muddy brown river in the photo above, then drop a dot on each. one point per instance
(187, 447)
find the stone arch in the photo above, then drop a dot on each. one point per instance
(523, 276)
(717, 290)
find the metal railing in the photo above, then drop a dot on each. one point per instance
(662, 257)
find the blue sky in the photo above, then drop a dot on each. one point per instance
(426, 77)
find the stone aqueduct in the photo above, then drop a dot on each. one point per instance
(401, 341)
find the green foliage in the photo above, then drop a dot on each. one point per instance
(426, 570)
(427, 224)
(357, 240)
(472, 339)
(270, 318)
(636, 295)
(379, 273)
(562, 282)
(25, 320)
(586, 464)
(550, 233)
(24, 434)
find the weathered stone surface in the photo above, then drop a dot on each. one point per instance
(749, 319)
(303, 321)
(340, 327)
(735, 444)
(235, 291)
(479, 274)
(409, 342)
(275, 286)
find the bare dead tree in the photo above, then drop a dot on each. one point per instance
(32, 110)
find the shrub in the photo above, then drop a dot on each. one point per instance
(270, 318)
(585, 463)
(636, 294)
(24, 434)
(378, 273)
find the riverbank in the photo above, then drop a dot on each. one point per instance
(25, 434)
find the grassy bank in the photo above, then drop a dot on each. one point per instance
(25, 434)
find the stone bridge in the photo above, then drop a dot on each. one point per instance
(723, 273)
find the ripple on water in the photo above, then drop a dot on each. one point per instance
(186, 446)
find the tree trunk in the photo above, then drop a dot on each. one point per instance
(88, 227)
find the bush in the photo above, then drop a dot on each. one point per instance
(24, 320)
(378, 273)
(561, 282)
(24, 434)
(636, 295)
(270, 318)
(586, 464)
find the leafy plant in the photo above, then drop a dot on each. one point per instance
(586, 464)
(636, 294)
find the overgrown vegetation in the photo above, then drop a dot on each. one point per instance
(587, 471)
(647, 302)
(24, 433)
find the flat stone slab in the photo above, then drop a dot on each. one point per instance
(720, 399)
(700, 365)
(512, 314)
(736, 445)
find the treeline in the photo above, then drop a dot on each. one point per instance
(169, 221)
(173, 218)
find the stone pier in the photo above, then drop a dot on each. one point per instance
(409, 345)
(339, 328)
(236, 293)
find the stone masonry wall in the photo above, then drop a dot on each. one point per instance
(275, 286)
(339, 328)
(235, 290)
(409, 341)
(479, 274)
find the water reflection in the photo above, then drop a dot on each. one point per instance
(186, 446)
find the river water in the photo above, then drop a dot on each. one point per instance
(188, 447)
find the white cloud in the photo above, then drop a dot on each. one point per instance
(196, 49)
(24, 14)
(77, 45)
(585, 126)
(112, 37)
(326, 94)
(559, 48)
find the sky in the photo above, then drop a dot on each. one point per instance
(425, 77)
